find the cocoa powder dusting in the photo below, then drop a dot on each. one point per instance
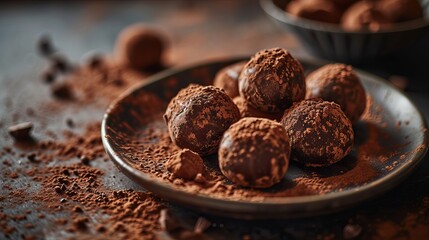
(67, 168)
(150, 148)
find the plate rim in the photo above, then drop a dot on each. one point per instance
(371, 189)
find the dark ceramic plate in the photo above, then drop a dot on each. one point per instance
(391, 140)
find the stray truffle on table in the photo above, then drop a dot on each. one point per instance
(338, 83)
(272, 80)
(198, 116)
(318, 10)
(319, 132)
(140, 47)
(227, 78)
(186, 164)
(364, 15)
(254, 152)
(246, 110)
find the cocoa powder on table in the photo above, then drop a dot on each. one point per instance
(68, 165)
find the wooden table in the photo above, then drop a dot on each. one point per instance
(199, 31)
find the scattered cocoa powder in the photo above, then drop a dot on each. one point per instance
(128, 214)
(62, 165)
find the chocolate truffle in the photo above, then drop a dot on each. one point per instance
(272, 80)
(400, 10)
(319, 132)
(254, 152)
(186, 164)
(248, 111)
(140, 47)
(364, 16)
(227, 79)
(198, 116)
(338, 83)
(318, 10)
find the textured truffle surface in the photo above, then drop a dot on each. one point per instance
(254, 152)
(186, 164)
(318, 10)
(364, 15)
(272, 80)
(338, 83)
(400, 10)
(227, 78)
(319, 132)
(246, 110)
(198, 116)
(140, 47)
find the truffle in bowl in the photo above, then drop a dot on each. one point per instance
(375, 36)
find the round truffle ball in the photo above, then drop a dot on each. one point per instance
(338, 83)
(246, 110)
(318, 10)
(254, 152)
(363, 15)
(186, 164)
(400, 10)
(198, 116)
(319, 132)
(272, 80)
(140, 47)
(227, 78)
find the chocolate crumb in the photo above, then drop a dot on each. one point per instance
(187, 164)
(48, 76)
(167, 221)
(70, 123)
(62, 91)
(63, 200)
(61, 64)
(84, 160)
(32, 157)
(45, 46)
(21, 132)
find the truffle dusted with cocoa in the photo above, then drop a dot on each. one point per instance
(227, 78)
(272, 80)
(186, 164)
(363, 15)
(140, 47)
(318, 10)
(198, 116)
(254, 152)
(248, 111)
(400, 10)
(319, 132)
(338, 83)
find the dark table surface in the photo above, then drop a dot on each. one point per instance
(198, 31)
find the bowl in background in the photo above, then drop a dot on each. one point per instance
(331, 41)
